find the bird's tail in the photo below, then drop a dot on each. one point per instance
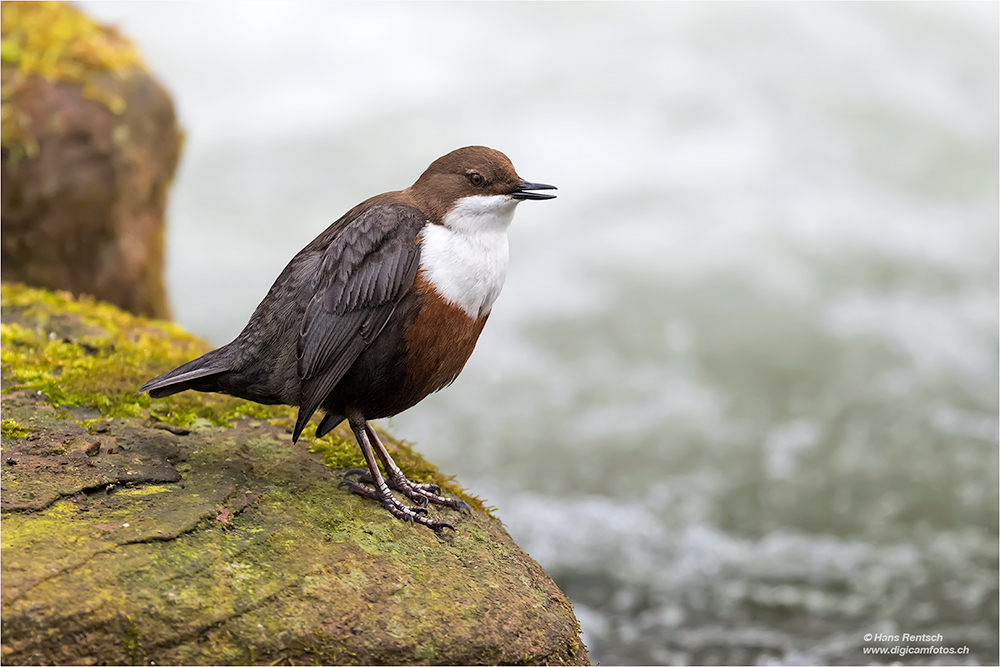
(196, 374)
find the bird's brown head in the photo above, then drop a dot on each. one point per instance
(473, 171)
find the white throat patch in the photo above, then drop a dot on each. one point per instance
(465, 259)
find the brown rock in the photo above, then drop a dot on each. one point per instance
(88, 155)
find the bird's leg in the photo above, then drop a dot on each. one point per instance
(381, 491)
(398, 481)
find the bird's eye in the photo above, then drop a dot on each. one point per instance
(476, 179)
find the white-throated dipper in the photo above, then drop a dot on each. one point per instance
(379, 311)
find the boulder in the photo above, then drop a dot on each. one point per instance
(89, 146)
(190, 530)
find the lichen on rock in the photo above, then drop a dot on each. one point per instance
(191, 530)
(56, 42)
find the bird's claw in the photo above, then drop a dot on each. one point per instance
(410, 513)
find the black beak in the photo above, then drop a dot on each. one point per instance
(523, 191)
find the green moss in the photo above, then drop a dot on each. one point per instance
(139, 491)
(337, 451)
(11, 429)
(80, 352)
(54, 40)
(255, 410)
(425, 652)
(131, 644)
(58, 43)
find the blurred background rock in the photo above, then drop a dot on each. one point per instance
(90, 143)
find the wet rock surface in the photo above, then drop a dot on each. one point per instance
(126, 542)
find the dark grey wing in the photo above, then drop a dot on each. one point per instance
(364, 272)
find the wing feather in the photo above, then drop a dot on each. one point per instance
(364, 273)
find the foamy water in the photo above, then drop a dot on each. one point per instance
(739, 396)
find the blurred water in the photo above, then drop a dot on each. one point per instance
(740, 394)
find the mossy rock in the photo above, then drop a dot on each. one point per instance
(192, 531)
(89, 142)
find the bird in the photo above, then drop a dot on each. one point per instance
(379, 311)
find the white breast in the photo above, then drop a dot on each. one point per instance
(465, 259)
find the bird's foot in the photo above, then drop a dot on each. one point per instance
(421, 493)
(389, 501)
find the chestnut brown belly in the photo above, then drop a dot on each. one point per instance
(422, 349)
(439, 341)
